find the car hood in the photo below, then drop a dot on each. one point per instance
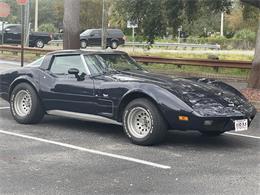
(198, 95)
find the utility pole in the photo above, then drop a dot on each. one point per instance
(222, 24)
(104, 38)
(36, 16)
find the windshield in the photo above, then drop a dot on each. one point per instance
(36, 63)
(103, 63)
(86, 32)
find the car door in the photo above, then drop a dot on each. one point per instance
(63, 91)
(12, 34)
(95, 38)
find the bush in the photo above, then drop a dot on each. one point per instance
(245, 34)
(48, 28)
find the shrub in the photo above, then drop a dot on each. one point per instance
(48, 28)
(245, 34)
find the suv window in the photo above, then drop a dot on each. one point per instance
(12, 29)
(61, 64)
(96, 33)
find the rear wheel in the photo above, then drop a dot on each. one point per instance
(114, 44)
(143, 123)
(25, 104)
(211, 133)
(39, 43)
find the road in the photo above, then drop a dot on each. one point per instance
(66, 156)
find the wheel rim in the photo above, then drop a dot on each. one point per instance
(39, 44)
(139, 122)
(83, 44)
(114, 45)
(23, 103)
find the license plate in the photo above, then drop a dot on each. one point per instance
(241, 125)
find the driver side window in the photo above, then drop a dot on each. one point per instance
(62, 64)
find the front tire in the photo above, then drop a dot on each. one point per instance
(83, 44)
(143, 123)
(25, 104)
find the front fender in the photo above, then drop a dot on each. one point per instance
(169, 104)
(24, 78)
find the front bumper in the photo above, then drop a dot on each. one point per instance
(201, 123)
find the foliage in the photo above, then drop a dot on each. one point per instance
(246, 34)
(155, 16)
(48, 28)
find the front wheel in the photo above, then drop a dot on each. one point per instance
(25, 104)
(211, 133)
(83, 44)
(143, 123)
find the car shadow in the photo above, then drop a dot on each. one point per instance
(173, 139)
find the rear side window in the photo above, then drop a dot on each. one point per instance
(61, 64)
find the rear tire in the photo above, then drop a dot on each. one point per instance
(114, 44)
(25, 104)
(143, 123)
(39, 43)
(211, 133)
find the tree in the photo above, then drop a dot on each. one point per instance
(155, 16)
(254, 78)
(71, 26)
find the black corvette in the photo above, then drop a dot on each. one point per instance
(110, 87)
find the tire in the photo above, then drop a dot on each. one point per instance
(143, 123)
(211, 133)
(25, 104)
(114, 45)
(83, 44)
(39, 43)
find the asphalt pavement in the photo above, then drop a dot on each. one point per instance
(66, 156)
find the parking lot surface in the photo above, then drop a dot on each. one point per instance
(66, 156)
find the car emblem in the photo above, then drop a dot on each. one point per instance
(231, 105)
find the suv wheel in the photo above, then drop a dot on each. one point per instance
(39, 43)
(114, 45)
(143, 123)
(83, 44)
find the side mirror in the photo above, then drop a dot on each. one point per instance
(75, 72)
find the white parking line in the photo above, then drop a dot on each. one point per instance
(88, 150)
(243, 135)
(4, 108)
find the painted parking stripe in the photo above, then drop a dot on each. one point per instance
(243, 135)
(121, 157)
(4, 108)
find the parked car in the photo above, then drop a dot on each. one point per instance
(110, 87)
(92, 37)
(12, 35)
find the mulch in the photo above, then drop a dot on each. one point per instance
(251, 94)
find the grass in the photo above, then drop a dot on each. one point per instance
(172, 69)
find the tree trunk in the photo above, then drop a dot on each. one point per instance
(254, 79)
(71, 27)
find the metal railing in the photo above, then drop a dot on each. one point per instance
(151, 59)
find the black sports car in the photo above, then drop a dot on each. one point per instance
(110, 87)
